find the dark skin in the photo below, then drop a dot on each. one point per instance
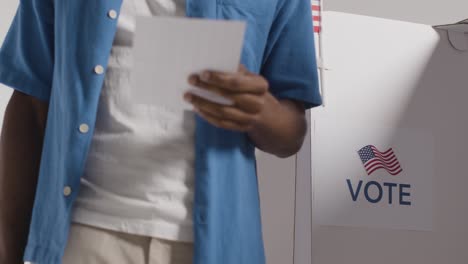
(20, 155)
(275, 126)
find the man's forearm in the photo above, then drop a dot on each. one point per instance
(20, 153)
(281, 128)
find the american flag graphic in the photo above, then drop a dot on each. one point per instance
(373, 160)
(316, 15)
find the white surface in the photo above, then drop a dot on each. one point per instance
(377, 87)
(129, 10)
(4, 97)
(168, 50)
(429, 99)
(429, 12)
(337, 161)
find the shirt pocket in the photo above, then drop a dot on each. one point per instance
(258, 14)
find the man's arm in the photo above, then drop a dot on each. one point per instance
(282, 127)
(20, 154)
(275, 126)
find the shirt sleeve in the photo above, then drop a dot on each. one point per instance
(289, 63)
(27, 53)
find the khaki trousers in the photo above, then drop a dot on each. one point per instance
(93, 245)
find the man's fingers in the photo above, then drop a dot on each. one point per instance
(248, 102)
(243, 69)
(235, 82)
(226, 124)
(195, 80)
(222, 111)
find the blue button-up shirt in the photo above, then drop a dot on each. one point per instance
(51, 52)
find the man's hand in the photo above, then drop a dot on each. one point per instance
(275, 126)
(245, 89)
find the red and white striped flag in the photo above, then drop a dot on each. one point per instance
(317, 6)
(317, 15)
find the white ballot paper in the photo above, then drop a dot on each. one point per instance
(168, 50)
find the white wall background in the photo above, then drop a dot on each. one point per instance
(431, 12)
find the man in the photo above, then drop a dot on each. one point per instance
(55, 56)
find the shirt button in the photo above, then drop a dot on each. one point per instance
(99, 69)
(112, 14)
(67, 190)
(84, 128)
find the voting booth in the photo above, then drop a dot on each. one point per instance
(388, 148)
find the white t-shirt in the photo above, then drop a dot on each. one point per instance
(139, 176)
